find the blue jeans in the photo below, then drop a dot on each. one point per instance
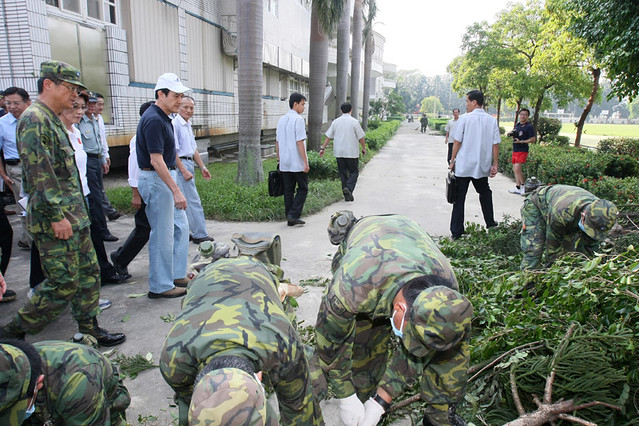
(169, 237)
(194, 210)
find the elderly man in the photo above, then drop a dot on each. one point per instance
(188, 157)
(389, 278)
(232, 333)
(450, 126)
(57, 213)
(54, 382)
(553, 215)
(165, 203)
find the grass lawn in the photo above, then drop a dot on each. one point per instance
(607, 130)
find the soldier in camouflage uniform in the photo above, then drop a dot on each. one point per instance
(387, 267)
(57, 213)
(76, 385)
(552, 215)
(232, 319)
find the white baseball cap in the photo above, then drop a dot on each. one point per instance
(172, 82)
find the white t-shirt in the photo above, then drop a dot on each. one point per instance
(346, 133)
(134, 169)
(290, 129)
(449, 129)
(75, 137)
(478, 132)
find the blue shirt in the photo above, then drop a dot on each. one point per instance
(8, 125)
(155, 136)
(90, 136)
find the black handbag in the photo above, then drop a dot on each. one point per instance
(275, 183)
(451, 183)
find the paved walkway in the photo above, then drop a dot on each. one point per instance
(406, 177)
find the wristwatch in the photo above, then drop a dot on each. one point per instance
(378, 399)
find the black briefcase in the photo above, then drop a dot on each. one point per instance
(451, 183)
(275, 183)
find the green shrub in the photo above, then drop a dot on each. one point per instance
(373, 124)
(622, 166)
(619, 191)
(437, 123)
(557, 140)
(547, 127)
(620, 146)
(322, 167)
(395, 118)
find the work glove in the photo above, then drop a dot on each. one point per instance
(374, 413)
(351, 411)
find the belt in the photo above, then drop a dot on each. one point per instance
(12, 161)
(229, 361)
(151, 169)
(186, 158)
(93, 155)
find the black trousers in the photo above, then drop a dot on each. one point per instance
(137, 238)
(294, 201)
(348, 169)
(94, 179)
(485, 199)
(450, 152)
(6, 240)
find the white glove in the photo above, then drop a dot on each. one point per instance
(374, 413)
(351, 411)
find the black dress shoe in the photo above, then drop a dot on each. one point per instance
(115, 215)
(201, 240)
(348, 195)
(103, 337)
(8, 296)
(293, 222)
(122, 270)
(116, 279)
(110, 237)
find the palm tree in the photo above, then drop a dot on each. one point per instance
(324, 16)
(249, 59)
(356, 60)
(369, 48)
(343, 48)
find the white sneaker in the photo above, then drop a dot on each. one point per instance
(522, 190)
(104, 304)
(516, 190)
(31, 292)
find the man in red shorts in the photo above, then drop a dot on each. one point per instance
(523, 134)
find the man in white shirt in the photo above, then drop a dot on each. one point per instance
(290, 145)
(347, 133)
(474, 158)
(188, 156)
(450, 126)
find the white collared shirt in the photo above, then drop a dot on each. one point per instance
(346, 133)
(290, 129)
(478, 132)
(134, 169)
(185, 144)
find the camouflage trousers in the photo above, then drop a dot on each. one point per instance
(533, 235)
(117, 396)
(442, 377)
(72, 275)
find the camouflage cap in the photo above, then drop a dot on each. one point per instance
(15, 374)
(58, 70)
(228, 396)
(339, 224)
(599, 218)
(437, 321)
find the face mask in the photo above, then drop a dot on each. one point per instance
(29, 411)
(581, 225)
(398, 332)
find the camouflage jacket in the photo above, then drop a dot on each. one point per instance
(81, 387)
(49, 174)
(377, 258)
(561, 206)
(233, 308)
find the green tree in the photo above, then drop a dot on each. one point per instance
(431, 104)
(369, 47)
(412, 86)
(634, 108)
(343, 50)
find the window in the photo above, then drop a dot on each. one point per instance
(272, 6)
(102, 10)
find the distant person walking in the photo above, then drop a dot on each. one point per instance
(450, 126)
(290, 145)
(476, 147)
(347, 134)
(424, 123)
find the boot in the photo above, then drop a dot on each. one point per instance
(103, 337)
(10, 331)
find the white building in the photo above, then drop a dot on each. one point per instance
(122, 46)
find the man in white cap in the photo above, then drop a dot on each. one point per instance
(169, 237)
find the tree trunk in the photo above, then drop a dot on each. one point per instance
(517, 110)
(318, 62)
(540, 99)
(356, 61)
(498, 110)
(343, 47)
(369, 48)
(596, 73)
(250, 37)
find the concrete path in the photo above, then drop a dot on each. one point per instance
(406, 177)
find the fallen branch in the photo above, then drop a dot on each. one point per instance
(528, 347)
(404, 403)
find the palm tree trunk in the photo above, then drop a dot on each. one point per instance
(596, 73)
(343, 47)
(356, 61)
(250, 37)
(368, 64)
(318, 62)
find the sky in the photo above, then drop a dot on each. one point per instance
(426, 34)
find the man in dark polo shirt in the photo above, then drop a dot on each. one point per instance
(523, 134)
(165, 203)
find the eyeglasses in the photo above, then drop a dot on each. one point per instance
(74, 89)
(82, 107)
